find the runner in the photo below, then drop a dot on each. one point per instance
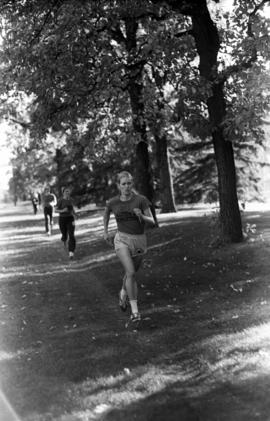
(66, 212)
(132, 213)
(49, 201)
(34, 200)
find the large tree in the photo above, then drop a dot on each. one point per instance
(208, 44)
(93, 54)
(65, 56)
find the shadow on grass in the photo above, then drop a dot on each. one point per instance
(66, 349)
(189, 402)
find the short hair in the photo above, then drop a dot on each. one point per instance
(65, 188)
(123, 174)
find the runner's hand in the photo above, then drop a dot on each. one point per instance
(138, 213)
(109, 239)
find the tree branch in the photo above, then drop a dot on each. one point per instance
(184, 33)
(236, 68)
(117, 34)
(46, 19)
(182, 6)
(23, 124)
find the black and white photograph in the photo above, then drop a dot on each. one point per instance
(134, 210)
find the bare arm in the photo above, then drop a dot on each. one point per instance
(146, 216)
(54, 202)
(106, 219)
(61, 210)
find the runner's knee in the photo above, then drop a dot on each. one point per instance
(130, 273)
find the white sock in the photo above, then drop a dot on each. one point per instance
(134, 306)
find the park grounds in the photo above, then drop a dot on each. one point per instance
(202, 351)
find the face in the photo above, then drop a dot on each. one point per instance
(66, 193)
(125, 186)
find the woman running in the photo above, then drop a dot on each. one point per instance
(66, 212)
(132, 213)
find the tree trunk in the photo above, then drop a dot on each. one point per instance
(165, 177)
(143, 173)
(207, 42)
(163, 163)
(59, 165)
(230, 216)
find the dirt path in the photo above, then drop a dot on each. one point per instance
(203, 352)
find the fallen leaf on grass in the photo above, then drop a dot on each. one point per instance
(208, 264)
(239, 289)
(147, 263)
(101, 408)
(238, 286)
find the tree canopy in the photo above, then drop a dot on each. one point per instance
(113, 84)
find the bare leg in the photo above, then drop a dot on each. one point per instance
(137, 260)
(124, 283)
(130, 283)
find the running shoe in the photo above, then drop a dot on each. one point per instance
(135, 318)
(71, 254)
(123, 302)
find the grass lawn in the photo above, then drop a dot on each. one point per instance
(202, 351)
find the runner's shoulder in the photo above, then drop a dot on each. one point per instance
(114, 200)
(142, 199)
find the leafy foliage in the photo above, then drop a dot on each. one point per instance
(70, 58)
